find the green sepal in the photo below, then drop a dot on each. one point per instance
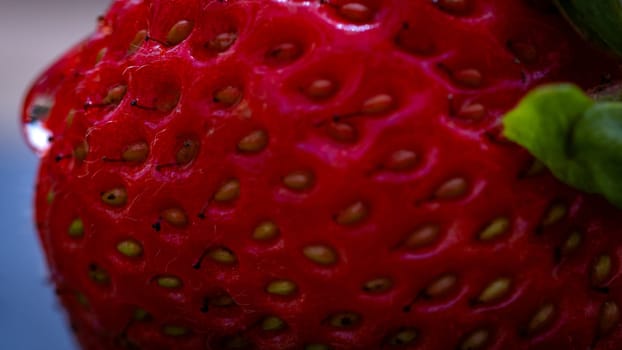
(577, 138)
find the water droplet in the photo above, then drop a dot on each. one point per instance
(38, 136)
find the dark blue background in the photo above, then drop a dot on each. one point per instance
(32, 34)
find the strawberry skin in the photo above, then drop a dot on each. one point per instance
(318, 175)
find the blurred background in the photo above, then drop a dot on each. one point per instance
(32, 34)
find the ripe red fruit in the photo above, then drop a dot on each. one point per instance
(318, 175)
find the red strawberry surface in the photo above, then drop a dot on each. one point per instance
(288, 174)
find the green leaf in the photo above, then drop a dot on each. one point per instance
(599, 20)
(578, 139)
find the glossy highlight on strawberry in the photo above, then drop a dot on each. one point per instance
(315, 175)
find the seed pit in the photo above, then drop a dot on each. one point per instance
(283, 53)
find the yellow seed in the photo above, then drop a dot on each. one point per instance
(380, 103)
(115, 95)
(554, 214)
(130, 248)
(495, 290)
(441, 286)
(224, 300)
(320, 254)
(228, 96)
(572, 243)
(299, 180)
(272, 323)
(601, 270)
(49, 197)
(344, 319)
(401, 160)
(320, 89)
(174, 331)
(100, 54)
(253, 142)
(115, 197)
(175, 217)
(454, 188)
(179, 32)
(187, 152)
(356, 12)
(496, 228)
(470, 78)
(137, 42)
(541, 319)
(98, 275)
(140, 314)
(136, 152)
(423, 236)
(475, 340)
(170, 282)
(404, 337)
(228, 192)
(222, 42)
(317, 347)
(82, 299)
(76, 228)
(281, 287)
(353, 214)
(378, 285)
(608, 318)
(265, 231)
(222, 255)
(81, 151)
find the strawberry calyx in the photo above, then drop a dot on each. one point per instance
(578, 137)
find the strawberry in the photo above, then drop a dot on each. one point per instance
(318, 175)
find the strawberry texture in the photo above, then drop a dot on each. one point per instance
(319, 175)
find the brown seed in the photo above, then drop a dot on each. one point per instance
(267, 230)
(378, 104)
(608, 318)
(470, 78)
(455, 6)
(321, 89)
(179, 32)
(222, 255)
(228, 192)
(378, 285)
(356, 12)
(404, 337)
(221, 42)
(495, 290)
(136, 152)
(342, 132)
(299, 180)
(601, 270)
(175, 217)
(168, 100)
(283, 53)
(281, 287)
(401, 160)
(353, 214)
(228, 96)
(344, 319)
(541, 320)
(253, 142)
(81, 151)
(472, 112)
(555, 213)
(571, 244)
(496, 228)
(423, 236)
(115, 197)
(320, 254)
(169, 282)
(441, 286)
(115, 95)
(187, 152)
(137, 42)
(101, 54)
(454, 188)
(475, 340)
(272, 323)
(175, 331)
